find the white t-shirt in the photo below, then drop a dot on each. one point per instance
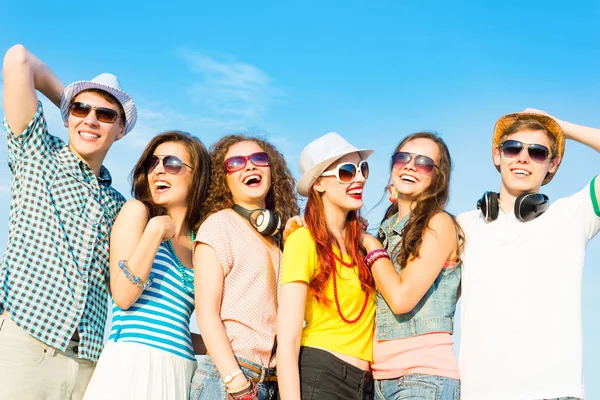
(521, 335)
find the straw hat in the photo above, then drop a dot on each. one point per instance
(508, 120)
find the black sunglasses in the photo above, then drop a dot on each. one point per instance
(423, 164)
(172, 164)
(537, 152)
(103, 114)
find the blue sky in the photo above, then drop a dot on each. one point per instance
(372, 71)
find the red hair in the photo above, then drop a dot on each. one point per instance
(314, 215)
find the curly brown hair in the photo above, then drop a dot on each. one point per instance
(281, 197)
(433, 200)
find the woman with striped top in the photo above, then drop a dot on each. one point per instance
(150, 352)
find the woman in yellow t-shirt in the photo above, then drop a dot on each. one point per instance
(327, 300)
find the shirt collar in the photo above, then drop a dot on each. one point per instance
(77, 168)
(393, 224)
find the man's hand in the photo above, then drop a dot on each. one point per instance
(23, 74)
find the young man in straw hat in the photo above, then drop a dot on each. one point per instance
(521, 332)
(54, 271)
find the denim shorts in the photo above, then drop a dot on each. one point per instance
(323, 376)
(418, 386)
(207, 383)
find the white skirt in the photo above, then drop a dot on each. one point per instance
(133, 371)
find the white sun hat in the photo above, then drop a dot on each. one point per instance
(108, 83)
(320, 154)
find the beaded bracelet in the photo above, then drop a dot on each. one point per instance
(375, 255)
(136, 280)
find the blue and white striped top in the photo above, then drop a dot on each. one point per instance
(161, 316)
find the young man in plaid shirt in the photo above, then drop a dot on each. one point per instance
(54, 272)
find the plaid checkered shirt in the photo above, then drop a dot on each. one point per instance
(54, 273)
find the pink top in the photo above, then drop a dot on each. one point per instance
(250, 287)
(429, 354)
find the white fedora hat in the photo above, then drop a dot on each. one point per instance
(108, 83)
(320, 154)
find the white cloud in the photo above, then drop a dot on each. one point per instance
(229, 87)
(232, 96)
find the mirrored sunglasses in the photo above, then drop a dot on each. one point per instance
(237, 163)
(171, 164)
(537, 152)
(423, 164)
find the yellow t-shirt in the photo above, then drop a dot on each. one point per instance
(324, 328)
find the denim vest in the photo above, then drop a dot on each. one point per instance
(433, 313)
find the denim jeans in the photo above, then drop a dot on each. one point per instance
(207, 383)
(323, 376)
(418, 386)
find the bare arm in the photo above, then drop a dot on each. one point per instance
(135, 239)
(586, 136)
(580, 133)
(209, 292)
(290, 318)
(404, 291)
(23, 73)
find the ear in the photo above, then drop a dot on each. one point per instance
(318, 186)
(554, 162)
(121, 133)
(496, 156)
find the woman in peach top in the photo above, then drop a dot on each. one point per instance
(237, 269)
(418, 290)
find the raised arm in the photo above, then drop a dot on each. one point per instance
(403, 291)
(135, 239)
(580, 133)
(584, 135)
(23, 73)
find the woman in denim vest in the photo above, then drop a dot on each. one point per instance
(418, 289)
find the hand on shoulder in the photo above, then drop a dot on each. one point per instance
(370, 242)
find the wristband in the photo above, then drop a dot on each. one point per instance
(249, 392)
(375, 255)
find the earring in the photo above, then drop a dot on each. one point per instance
(393, 193)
